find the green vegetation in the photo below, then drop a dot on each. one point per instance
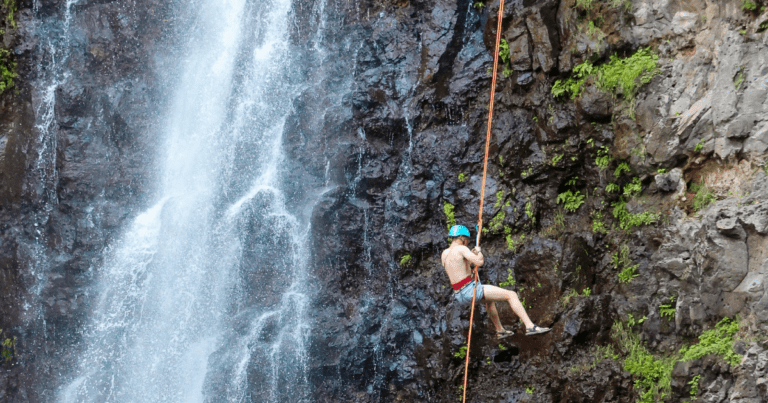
(763, 26)
(462, 177)
(668, 310)
(699, 146)
(628, 220)
(450, 217)
(501, 347)
(479, 5)
(621, 261)
(586, 292)
(560, 219)
(462, 353)
(7, 64)
(527, 172)
(633, 189)
(499, 199)
(704, 197)
(661, 171)
(572, 201)
(598, 226)
(529, 390)
(556, 159)
(567, 297)
(718, 341)
(504, 57)
(510, 280)
(405, 260)
(8, 347)
(529, 212)
(618, 74)
(603, 158)
(623, 167)
(513, 244)
(612, 188)
(748, 5)
(653, 376)
(741, 77)
(694, 384)
(497, 222)
(584, 4)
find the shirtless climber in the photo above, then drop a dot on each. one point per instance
(456, 260)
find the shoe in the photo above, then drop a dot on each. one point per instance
(536, 330)
(505, 333)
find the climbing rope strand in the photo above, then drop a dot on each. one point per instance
(482, 189)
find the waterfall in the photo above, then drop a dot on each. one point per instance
(204, 297)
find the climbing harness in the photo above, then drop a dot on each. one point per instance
(482, 189)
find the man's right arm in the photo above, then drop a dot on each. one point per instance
(477, 260)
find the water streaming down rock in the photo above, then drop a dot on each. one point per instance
(204, 298)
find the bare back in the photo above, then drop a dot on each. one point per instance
(456, 261)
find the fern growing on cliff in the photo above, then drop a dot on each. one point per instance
(619, 74)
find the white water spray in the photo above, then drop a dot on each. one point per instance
(204, 298)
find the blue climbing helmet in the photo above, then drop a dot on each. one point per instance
(458, 230)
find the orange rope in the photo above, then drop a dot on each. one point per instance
(482, 189)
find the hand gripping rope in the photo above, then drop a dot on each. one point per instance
(482, 189)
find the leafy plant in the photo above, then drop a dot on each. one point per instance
(621, 261)
(699, 146)
(529, 390)
(497, 222)
(598, 226)
(661, 171)
(572, 181)
(717, 341)
(405, 260)
(572, 86)
(560, 218)
(623, 167)
(504, 51)
(462, 353)
(529, 212)
(567, 297)
(513, 243)
(501, 347)
(634, 188)
(510, 280)
(8, 348)
(628, 220)
(618, 73)
(479, 5)
(748, 5)
(586, 292)
(450, 217)
(653, 375)
(612, 188)
(572, 201)
(694, 384)
(704, 197)
(668, 310)
(603, 158)
(556, 159)
(462, 177)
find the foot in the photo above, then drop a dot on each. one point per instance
(536, 330)
(504, 333)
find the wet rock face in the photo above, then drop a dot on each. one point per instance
(69, 184)
(395, 125)
(386, 330)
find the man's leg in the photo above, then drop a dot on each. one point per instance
(492, 294)
(494, 315)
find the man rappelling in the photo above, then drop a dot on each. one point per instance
(456, 261)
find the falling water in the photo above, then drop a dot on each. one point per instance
(204, 298)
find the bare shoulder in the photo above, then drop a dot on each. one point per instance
(442, 257)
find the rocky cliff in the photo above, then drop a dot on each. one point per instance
(627, 198)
